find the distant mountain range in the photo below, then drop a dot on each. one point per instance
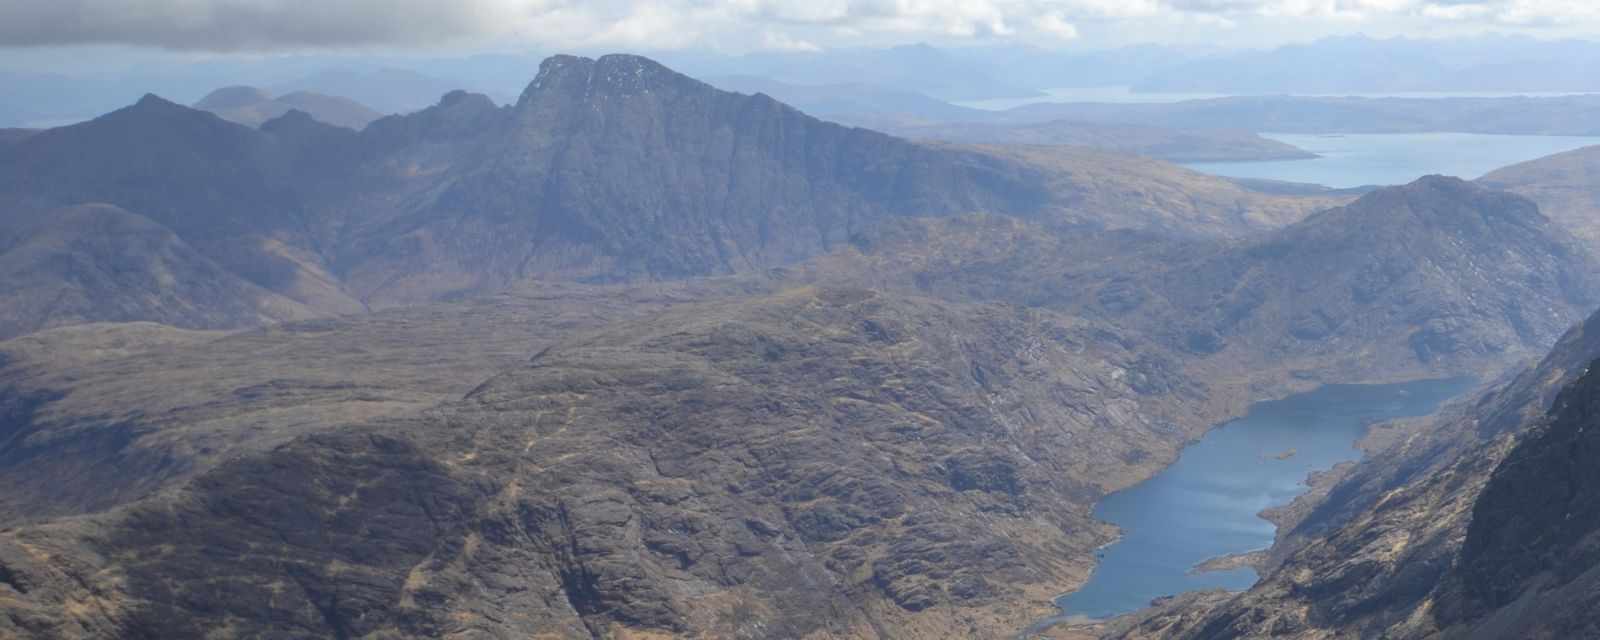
(604, 170)
(253, 107)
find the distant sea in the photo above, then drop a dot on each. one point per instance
(1354, 160)
(1126, 95)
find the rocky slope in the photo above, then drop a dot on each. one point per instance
(1401, 282)
(1564, 187)
(814, 462)
(901, 439)
(99, 263)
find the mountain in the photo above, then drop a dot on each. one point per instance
(388, 90)
(226, 190)
(12, 136)
(1564, 185)
(604, 170)
(1396, 283)
(621, 168)
(1403, 269)
(903, 438)
(251, 107)
(99, 263)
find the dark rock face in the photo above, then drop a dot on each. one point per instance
(1529, 560)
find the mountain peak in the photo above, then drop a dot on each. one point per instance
(152, 106)
(1447, 200)
(614, 74)
(291, 119)
(153, 101)
(232, 97)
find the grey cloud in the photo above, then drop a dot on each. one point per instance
(234, 25)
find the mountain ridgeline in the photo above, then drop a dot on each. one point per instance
(604, 170)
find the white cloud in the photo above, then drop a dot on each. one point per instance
(225, 25)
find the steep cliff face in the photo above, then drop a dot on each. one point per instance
(1530, 565)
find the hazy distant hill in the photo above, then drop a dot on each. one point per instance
(385, 90)
(251, 107)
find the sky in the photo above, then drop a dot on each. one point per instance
(43, 29)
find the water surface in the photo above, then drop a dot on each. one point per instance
(1205, 505)
(1126, 95)
(1355, 160)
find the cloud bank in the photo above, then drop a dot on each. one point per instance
(264, 25)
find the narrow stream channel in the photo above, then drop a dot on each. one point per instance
(1205, 505)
